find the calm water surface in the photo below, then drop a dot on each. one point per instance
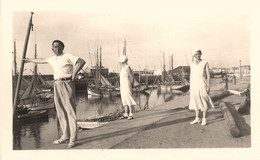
(37, 133)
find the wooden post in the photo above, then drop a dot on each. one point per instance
(240, 69)
(21, 70)
(139, 75)
(163, 74)
(158, 85)
(225, 79)
(234, 131)
(146, 104)
(146, 80)
(234, 79)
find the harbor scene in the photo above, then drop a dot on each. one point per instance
(35, 134)
(120, 80)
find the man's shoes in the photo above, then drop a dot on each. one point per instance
(196, 120)
(60, 141)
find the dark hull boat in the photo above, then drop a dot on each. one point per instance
(31, 115)
(183, 88)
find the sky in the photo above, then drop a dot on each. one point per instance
(221, 30)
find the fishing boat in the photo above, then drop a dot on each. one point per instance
(102, 87)
(99, 86)
(183, 88)
(30, 96)
(38, 94)
(168, 83)
(33, 115)
(94, 91)
(22, 109)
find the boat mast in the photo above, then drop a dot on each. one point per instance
(186, 60)
(100, 64)
(124, 51)
(118, 54)
(172, 65)
(35, 56)
(97, 79)
(186, 57)
(163, 75)
(14, 70)
(21, 69)
(100, 57)
(15, 64)
(89, 55)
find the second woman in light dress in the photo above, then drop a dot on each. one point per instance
(199, 87)
(126, 84)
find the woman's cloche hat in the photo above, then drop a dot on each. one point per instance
(123, 58)
(195, 51)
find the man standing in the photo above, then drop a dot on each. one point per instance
(65, 67)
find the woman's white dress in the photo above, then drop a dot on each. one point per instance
(199, 98)
(126, 87)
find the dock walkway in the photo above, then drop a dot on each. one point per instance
(168, 126)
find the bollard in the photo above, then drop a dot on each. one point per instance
(234, 79)
(146, 81)
(234, 131)
(225, 79)
(158, 85)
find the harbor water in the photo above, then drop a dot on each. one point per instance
(37, 133)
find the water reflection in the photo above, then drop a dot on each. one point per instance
(169, 95)
(30, 129)
(37, 133)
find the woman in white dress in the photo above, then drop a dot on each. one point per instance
(199, 87)
(126, 83)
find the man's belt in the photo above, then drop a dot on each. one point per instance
(63, 79)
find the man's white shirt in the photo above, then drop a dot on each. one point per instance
(62, 65)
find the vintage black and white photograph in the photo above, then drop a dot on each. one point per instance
(131, 76)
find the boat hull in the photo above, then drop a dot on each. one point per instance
(183, 88)
(33, 115)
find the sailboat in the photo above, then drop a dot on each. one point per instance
(138, 87)
(100, 86)
(29, 96)
(39, 93)
(168, 83)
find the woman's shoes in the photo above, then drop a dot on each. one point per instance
(123, 117)
(71, 144)
(60, 141)
(204, 121)
(196, 120)
(126, 116)
(130, 117)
